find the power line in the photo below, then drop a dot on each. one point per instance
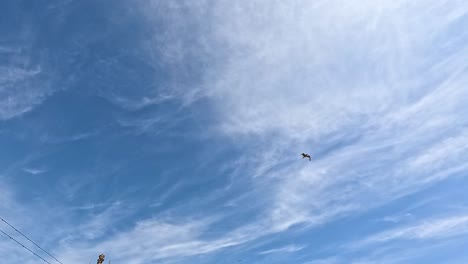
(29, 240)
(25, 247)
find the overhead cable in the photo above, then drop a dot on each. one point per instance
(19, 232)
(19, 243)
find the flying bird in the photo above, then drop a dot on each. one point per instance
(305, 155)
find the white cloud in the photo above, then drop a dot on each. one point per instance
(290, 76)
(331, 260)
(298, 76)
(294, 74)
(442, 154)
(429, 229)
(6, 197)
(92, 206)
(396, 218)
(153, 239)
(70, 138)
(23, 83)
(297, 73)
(34, 171)
(18, 92)
(286, 249)
(137, 104)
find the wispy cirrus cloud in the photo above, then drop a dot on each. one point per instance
(18, 90)
(375, 92)
(432, 234)
(429, 229)
(286, 249)
(331, 260)
(366, 88)
(289, 80)
(155, 239)
(393, 245)
(141, 103)
(46, 138)
(34, 171)
(25, 79)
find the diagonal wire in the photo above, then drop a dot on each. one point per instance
(3, 220)
(25, 247)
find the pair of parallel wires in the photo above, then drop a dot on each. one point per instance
(22, 245)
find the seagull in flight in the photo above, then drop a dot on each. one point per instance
(305, 155)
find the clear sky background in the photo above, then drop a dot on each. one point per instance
(171, 131)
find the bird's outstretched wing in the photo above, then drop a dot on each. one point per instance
(305, 155)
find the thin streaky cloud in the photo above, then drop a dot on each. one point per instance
(429, 229)
(286, 249)
(67, 139)
(34, 171)
(211, 105)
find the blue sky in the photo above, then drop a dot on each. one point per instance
(171, 131)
